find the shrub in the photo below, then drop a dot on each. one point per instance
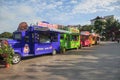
(6, 52)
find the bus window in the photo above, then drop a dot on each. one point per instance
(93, 38)
(75, 38)
(17, 36)
(82, 38)
(62, 37)
(37, 37)
(26, 38)
(29, 37)
(44, 38)
(54, 37)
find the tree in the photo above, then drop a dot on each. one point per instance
(99, 26)
(6, 35)
(87, 28)
(112, 28)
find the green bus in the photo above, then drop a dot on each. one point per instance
(70, 40)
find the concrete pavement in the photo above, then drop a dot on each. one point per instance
(101, 62)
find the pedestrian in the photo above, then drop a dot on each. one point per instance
(118, 40)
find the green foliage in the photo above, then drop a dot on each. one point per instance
(99, 26)
(107, 27)
(112, 26)
(6, 52)
(87, 28)
(6, 35)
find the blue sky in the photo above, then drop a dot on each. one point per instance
(65, 12)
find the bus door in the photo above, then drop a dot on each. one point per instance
(18, 45)
(28, 49)
(55, 40)
(62, 42)
(67, 41)
(74, 41)
(42, 43)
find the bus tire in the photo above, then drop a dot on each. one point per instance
(80, 47)
(54, 52)
(64, 50)
(77, 48)
(16, 58)
(89, 45)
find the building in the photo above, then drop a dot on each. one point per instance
(104, 18)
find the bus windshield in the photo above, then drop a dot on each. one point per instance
(17, 36)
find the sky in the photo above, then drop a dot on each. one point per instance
(64, 12)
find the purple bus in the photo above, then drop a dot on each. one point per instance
(36, 40)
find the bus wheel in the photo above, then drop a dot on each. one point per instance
(64, 50)
(80, 47)
(89, 45)
(77, 48)
(16, 59)
(54, 52)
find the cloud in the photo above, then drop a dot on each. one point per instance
(117, 17)
(25, 9)
(11, 16)
(92, 6)
(4, 14)
(61, 17)
(12, 12)
(74, 1)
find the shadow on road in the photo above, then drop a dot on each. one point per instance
(101, 62)
(84, 69)
(90, 64)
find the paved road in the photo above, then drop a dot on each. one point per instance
(101, 62)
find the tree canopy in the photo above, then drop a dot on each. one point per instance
(110, 27)
(6, 35)
(87, 28)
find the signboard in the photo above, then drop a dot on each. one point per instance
(22, 26)
(74, 30)
(41, 28)
(42, 24)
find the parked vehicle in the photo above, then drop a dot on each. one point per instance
(43, 38)
(70, 40)
(95, 38)
(85, 38)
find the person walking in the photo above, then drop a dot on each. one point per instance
(118, 40)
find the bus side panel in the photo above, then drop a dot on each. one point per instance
(56, 45)
(74, 41)
(43, 48)
(18, 49)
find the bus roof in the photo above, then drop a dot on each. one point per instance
(40, 28)
(85, 33)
